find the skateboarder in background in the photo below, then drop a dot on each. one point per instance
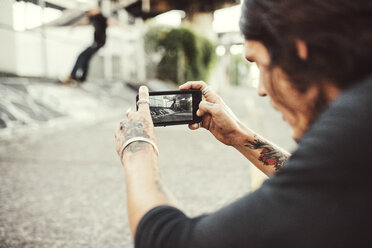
(95, 18)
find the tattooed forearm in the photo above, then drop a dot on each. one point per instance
(269, 155)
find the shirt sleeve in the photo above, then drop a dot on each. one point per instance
(249, 222)
(164, 226)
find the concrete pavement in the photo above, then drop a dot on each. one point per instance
(66, 188)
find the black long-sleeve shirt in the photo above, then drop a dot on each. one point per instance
(99, 23)
(322, 198)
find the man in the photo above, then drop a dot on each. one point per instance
(100, 23)
(314, 61)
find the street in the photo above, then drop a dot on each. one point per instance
(67, 188)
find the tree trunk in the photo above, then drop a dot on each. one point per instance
(201, 23)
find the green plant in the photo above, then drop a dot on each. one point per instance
(182, 55)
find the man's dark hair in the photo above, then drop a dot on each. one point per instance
(338, 35)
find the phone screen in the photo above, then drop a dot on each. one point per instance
(174, 107)
(171, 108)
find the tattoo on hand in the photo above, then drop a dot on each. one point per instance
(269, 155)
(137, 128)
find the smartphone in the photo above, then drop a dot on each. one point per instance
(174, 107)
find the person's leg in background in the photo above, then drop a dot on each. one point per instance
(80, 70)
(94, 48)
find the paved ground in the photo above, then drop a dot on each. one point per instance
(67, 189)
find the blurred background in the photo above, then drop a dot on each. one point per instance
(62, 184)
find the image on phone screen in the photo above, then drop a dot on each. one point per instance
(171, 108)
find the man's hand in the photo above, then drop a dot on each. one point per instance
(226, 127)
(217, 117)
(138, 124)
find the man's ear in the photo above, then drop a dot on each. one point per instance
(302, 51)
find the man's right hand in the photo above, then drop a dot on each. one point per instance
(217, 117)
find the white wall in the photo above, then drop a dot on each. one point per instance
(60, 46)
(63, 46)
(7, 39)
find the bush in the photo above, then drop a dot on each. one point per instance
(181, 54)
